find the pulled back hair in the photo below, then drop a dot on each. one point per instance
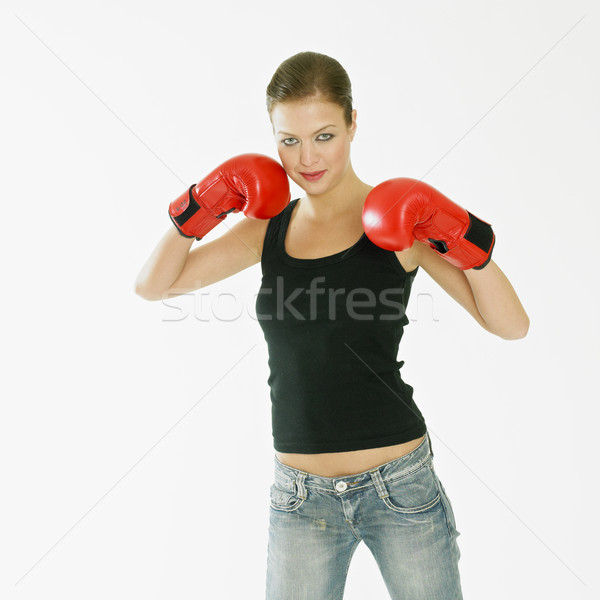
(309, 75)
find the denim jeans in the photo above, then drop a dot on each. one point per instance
(399, 509)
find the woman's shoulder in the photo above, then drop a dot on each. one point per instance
(258, 227)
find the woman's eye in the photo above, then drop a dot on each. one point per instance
(322, 137)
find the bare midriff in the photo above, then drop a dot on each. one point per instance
(340, 464)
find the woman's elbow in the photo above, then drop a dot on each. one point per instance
(517, 332)
(145, 293)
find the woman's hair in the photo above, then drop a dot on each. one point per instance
(308, 75)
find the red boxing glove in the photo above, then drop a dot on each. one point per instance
(252, 183)
(399, 210)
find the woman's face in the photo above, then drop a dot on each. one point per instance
(313, 142)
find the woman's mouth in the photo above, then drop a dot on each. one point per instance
(315, 176)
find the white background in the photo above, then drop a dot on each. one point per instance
(136, 449)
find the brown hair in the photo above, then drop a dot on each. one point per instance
(310, 74)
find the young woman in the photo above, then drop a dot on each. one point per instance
(353, 458)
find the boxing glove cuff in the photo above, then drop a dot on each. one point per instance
(473, 249)
(184, 208)
(480, 234)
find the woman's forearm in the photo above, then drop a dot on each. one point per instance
(498, 302)
(163, 266)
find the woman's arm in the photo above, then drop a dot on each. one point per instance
(486, 294)
(254, 183)
(163, 266)
(404, 213)
(173, 269)
(498, 302)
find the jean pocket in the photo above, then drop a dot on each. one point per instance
(415, 492)
(284, 495)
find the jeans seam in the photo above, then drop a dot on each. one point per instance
(413, 511)
(444, 499)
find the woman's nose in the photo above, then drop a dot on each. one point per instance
(308, 155)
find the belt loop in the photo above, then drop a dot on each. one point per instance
(379, 483)
(300, 484)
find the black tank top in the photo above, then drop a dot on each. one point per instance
(333, 327)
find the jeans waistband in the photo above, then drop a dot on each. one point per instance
(390, 470)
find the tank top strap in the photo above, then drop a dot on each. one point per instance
(272, 235)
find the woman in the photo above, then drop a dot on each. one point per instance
(353, 459)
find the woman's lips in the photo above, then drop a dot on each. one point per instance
(315, 176)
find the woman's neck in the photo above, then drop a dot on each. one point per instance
(345, 199)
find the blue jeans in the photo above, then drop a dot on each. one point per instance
(399, 509)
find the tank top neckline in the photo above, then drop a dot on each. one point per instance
(312, 262)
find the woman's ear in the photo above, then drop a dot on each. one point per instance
(353, 125)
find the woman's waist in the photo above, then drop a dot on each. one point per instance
(339, 464)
